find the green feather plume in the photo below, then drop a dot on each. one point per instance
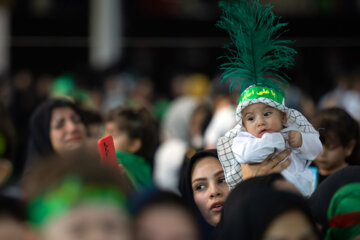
(256, 55)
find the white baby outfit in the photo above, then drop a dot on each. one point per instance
(230, 147)
(249, 149)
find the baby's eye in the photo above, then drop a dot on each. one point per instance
(250, 118)
(267, 114)
(222, 180)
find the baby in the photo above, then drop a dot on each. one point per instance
(254, 63)
(266, 130)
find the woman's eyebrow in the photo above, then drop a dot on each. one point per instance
(198, 180)
(219, 173)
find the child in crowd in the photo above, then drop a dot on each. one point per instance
(134, 134)
(339, 134)
(264, 123)
(76, 198)
(162, 215)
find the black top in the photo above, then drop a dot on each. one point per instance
(320, 199)
(248, 216)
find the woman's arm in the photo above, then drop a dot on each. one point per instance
(269, 165)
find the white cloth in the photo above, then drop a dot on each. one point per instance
(168, 160)
(249, 149)
(232, 169)
(222, 121)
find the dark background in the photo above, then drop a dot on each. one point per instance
(162, 38)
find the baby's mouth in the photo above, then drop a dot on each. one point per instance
(263, 131)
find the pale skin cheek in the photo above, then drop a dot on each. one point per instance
(200, 203)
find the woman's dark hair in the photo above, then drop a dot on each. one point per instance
(138, 124)
(39, 139)
(250, 216)
(335, 124)
(154, 197)
(187, 192)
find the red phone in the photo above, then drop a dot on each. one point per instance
(107, 151)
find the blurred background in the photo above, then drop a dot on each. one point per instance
(107, 52)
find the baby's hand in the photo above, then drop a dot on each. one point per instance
(295, 139)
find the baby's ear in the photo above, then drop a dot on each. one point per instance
(284, 118)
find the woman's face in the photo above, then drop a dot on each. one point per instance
(166, 222)
(67, 131)
(292, 225)
(89, 223)
(209, 188)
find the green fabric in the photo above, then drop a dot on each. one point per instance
(345, 200)
(63, 85)
(256, 55)
(71, 192)
(137, 169)
(258, 91)
(3, 144)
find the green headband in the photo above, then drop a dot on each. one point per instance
(71, 192)
(254, 92)
(343, 213)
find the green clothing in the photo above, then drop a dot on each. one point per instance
(344, 202)
(137, 169)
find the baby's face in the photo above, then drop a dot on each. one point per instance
(259, 118)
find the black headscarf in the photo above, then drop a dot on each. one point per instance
(248, 217)
(187, 192)
(255, 183)
(39, 139)
(320, 199)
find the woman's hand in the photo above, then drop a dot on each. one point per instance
(269, 165)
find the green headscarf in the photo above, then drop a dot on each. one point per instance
(70, 193)
(344, 213)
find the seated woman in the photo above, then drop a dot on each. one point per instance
(56, 127)
(266, 214)
(204, 188)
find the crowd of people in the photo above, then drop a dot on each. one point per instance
(170, 183)
(200, 163)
